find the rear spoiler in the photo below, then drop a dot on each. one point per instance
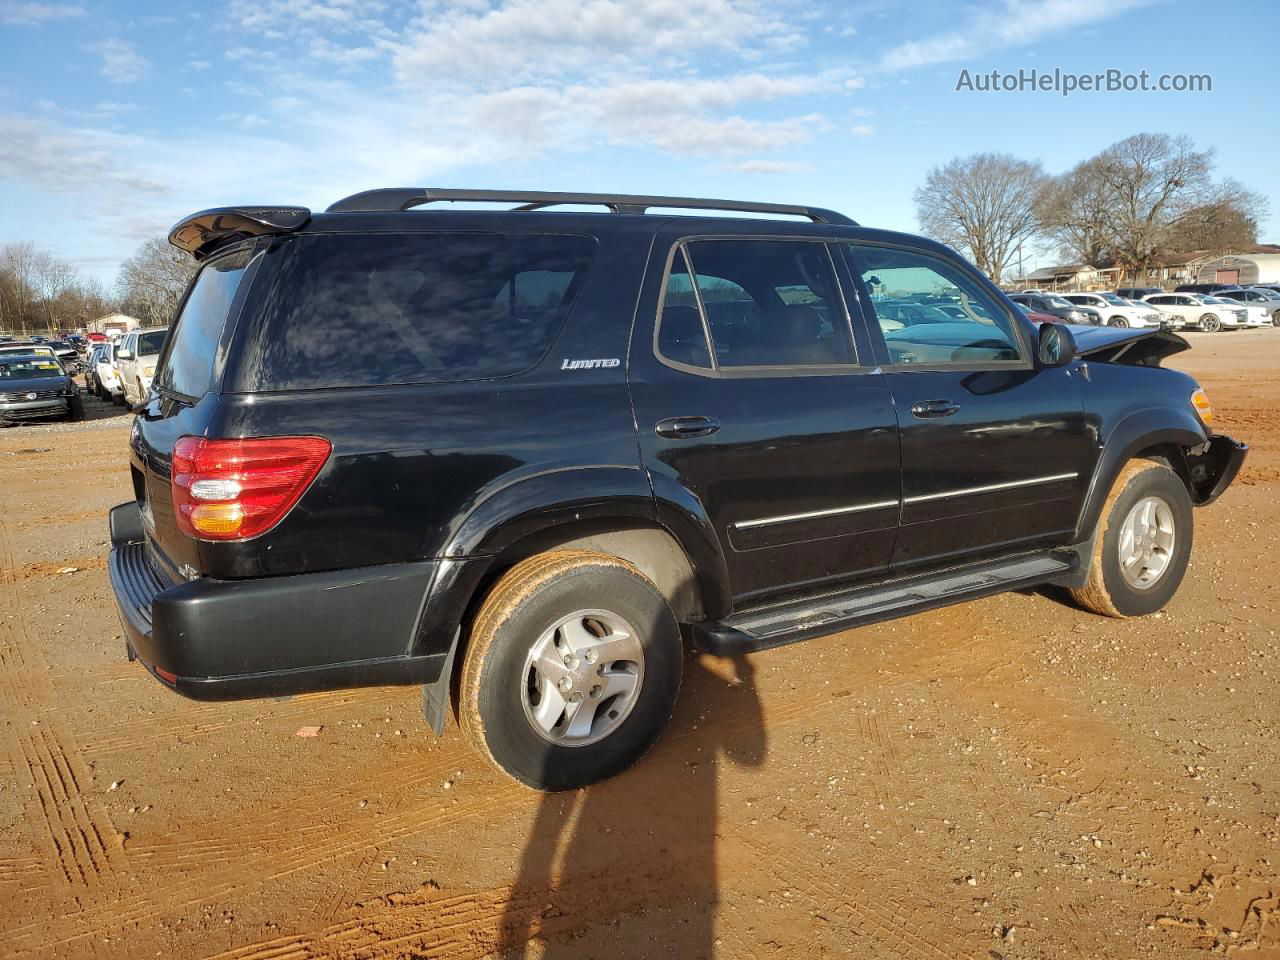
(202, 233)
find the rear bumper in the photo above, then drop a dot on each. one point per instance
(239, 639)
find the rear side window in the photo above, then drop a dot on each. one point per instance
(362, 309)
(766, 303)
(188, 369)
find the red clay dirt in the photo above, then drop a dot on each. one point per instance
(1011, 778)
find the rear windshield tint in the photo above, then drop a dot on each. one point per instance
(364, 309)
(189, 367)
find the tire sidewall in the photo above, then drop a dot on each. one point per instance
(1165, 484)
(508, 734)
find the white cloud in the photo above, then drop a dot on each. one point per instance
(121, 63)
(1008, 24)
(112, 108)
(862, 130)
(56, 159)
(767, 167)
(525, 40)
(30, 14)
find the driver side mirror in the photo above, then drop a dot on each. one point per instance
(123, 355)
(1055, 347)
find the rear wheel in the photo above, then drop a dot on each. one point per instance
(1143, 543)
(571, 670)
(1210, 323)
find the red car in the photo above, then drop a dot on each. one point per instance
(1035, 315)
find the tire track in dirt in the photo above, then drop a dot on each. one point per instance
(22, 875)
(470, 926)
(275, 846)
(80, 845)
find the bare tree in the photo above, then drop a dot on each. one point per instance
(152, 281)
(18, 284)
(53, 279)
(1154, 182)
(984, 204)
(1227, 221)
(1075, 211)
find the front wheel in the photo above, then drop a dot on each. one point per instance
(1210, 323)
(1117, 322)
(571, 670)
(1143, 543)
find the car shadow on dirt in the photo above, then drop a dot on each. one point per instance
(629, 865)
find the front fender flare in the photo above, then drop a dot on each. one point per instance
(1135, 432)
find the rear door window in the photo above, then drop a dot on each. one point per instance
(766, 303)
(363, 309)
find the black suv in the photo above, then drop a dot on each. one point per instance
(516, 455)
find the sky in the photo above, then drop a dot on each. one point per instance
(117, 119)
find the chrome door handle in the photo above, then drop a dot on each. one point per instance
(685, 428)
(932, 409)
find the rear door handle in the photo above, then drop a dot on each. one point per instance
(685, 428)
(931, 409)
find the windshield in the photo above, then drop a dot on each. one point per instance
(149, 343)
(1112, 298)
(28, 368)
(1059, 302)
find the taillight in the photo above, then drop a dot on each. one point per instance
(236, 489)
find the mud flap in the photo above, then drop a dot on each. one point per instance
(435, 696)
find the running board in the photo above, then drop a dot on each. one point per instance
(773, 626)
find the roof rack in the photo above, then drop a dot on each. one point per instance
(402, 198)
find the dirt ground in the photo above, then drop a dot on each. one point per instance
(1011, 778)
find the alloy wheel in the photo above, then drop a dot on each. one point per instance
(1146, 542)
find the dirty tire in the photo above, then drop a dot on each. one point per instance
(75, 410)
(524, 603)
(1107, 591)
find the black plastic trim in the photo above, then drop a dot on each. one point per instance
(236, 639)
(731, 637)
(402, 198)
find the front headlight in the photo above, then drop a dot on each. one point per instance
(1204, 410)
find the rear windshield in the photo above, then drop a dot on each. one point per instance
(360, 309)
(189, 367)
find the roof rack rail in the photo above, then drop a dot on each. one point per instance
(402, 198)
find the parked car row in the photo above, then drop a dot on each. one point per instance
(1191, 306)
(121, 370)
